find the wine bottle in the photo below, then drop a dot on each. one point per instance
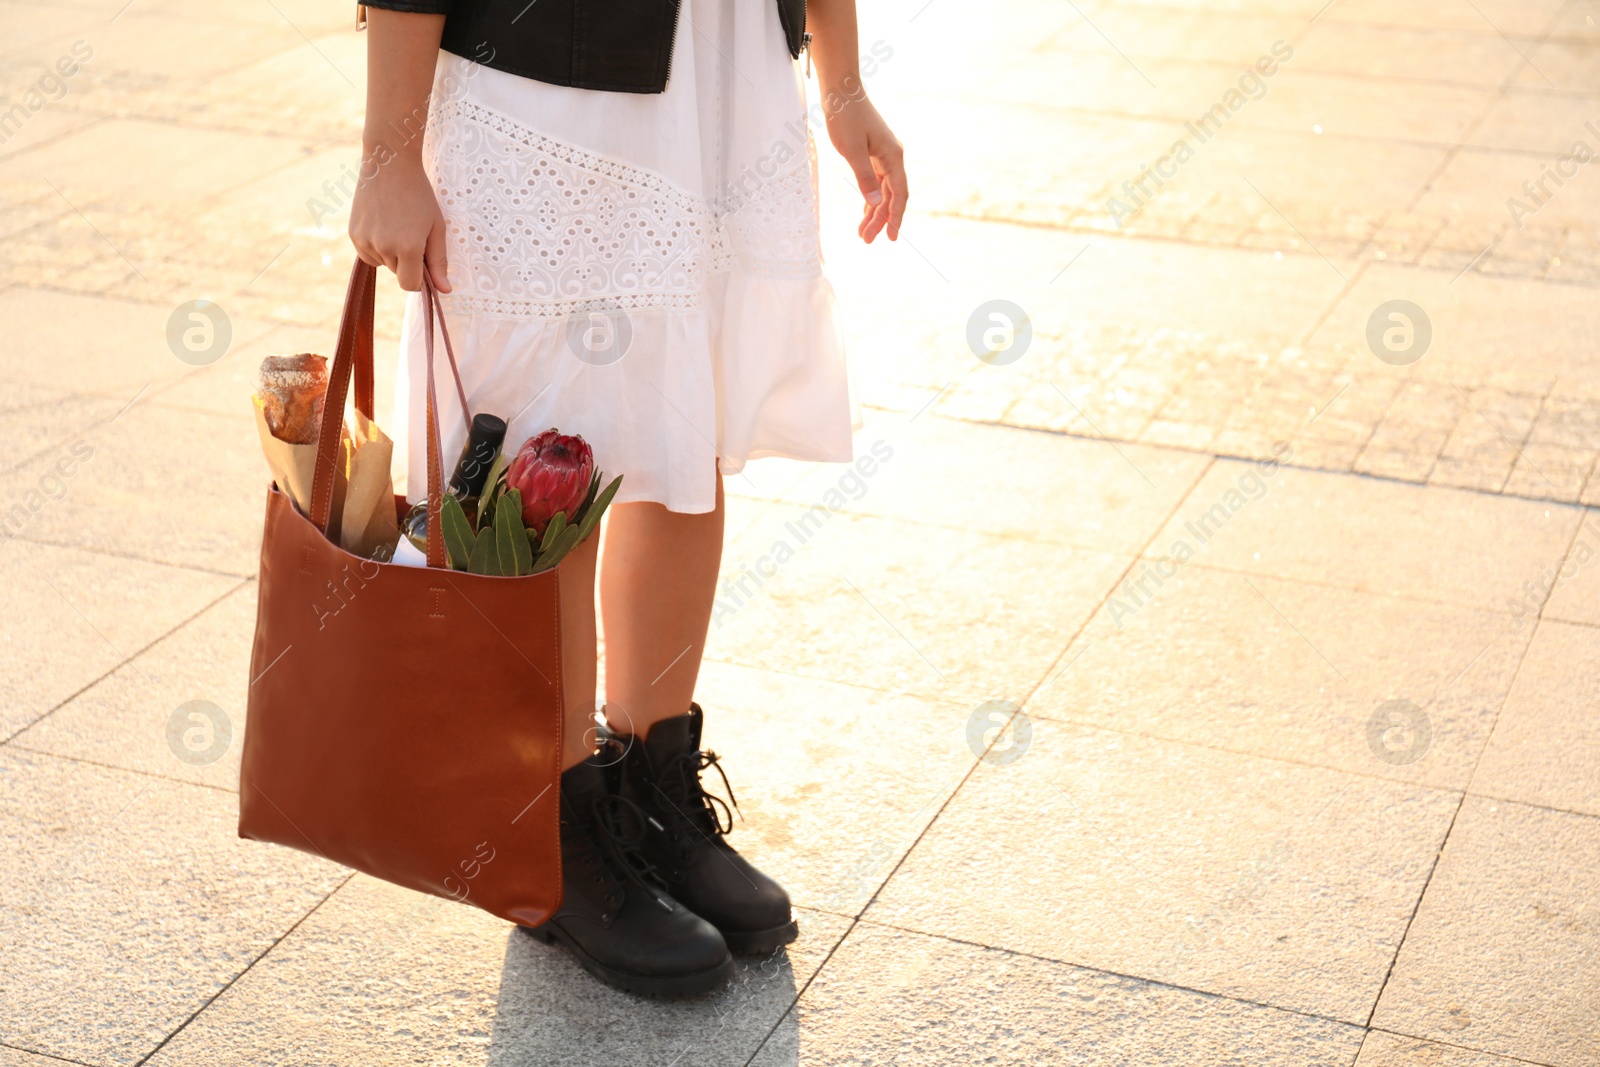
(484, 440)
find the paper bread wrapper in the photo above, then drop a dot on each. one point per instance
(361, 520)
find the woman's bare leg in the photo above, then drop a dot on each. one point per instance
(658, 581)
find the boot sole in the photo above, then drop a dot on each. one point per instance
(659, 987)
(760, 942)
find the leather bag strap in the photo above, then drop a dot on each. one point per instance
(353, 357)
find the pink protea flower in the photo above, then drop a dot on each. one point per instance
(553, 472)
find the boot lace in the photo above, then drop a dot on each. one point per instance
(691, 805)
(619, 831)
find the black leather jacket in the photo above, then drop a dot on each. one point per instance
(622, 46)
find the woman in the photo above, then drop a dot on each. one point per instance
(617, 198)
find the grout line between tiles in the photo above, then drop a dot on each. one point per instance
(1110, 589)
(1115, 974)
(246, 970)
(1451, 1044)
(97, 551)
(135, 654)
(13, 746)
(44, 1055)
(1488, 737)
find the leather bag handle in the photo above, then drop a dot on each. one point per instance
(354, 357)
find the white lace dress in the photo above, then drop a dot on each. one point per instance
(643, 270)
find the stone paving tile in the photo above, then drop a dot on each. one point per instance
(1382, 1049)
(1478, 184)
(14, 1058)
(1474, 57)
(1222, 37)
(130, 901)
(73, 616)
(1500, 956)
(381, 975)
(21, 212)
(1553, 472)
(127, 718)
(888, 996)
(1052, 189)
(1546, 744)
(1269, 881)
(1477, 323)
(310, 16)
(1517, 17)
(29, 26)
(1487, 439)
(41, 426)
(125, 501)
(148, 45)
(301, 280)
(1102, 83)
(1535, 121)
(870, 601)
(1045, 487)
(1359, 533)
(41, 126)
(166, 164)
(1575, 586)
(97, 347)
(1415, 430)
(1298, 185)
(1567, 420)
(1567, 62)
(790, 746)
(1290, 671)
(65, 256)
(292, 201)
(1342, 107)
(1574, 25)
(1172, 382)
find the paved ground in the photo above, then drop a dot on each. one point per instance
(1303, 621)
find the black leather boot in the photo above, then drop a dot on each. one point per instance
(616, 917)
(661, 773)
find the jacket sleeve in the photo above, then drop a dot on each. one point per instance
(420, 7)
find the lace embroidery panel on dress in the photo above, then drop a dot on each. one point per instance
(547, 230)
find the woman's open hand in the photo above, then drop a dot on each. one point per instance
(865, 141)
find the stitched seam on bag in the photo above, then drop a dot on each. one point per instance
(559, 750)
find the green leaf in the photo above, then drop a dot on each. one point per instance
(458, 534)
(494, 485)
(603, 501)
(511, 538)
(484, 560)
(588, 498)
(553, 531)
(554, 554)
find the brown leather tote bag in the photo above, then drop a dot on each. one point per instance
(404, 721)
